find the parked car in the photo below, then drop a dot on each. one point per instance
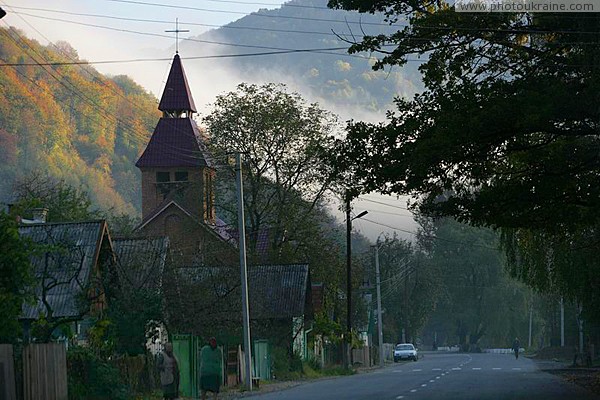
(405, 351)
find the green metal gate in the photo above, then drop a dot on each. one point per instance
(262, 359)
(185, 348)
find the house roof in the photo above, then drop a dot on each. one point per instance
(141, 261)
(177, 95)
(274, 291)
(176, 142)
(65, 270)
(220, 228)
(277, 291)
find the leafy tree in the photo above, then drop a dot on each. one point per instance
(505, 134)
(477, 302)
(64, 202)
(15, 278)
(283, 140)
(409, 287)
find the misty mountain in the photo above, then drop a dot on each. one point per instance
(333, 77)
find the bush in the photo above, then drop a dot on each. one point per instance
(91, 378)
(286, 366)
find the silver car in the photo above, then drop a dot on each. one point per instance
(405, 351)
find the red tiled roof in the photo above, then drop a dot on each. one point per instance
(175, 143)
(177, 95)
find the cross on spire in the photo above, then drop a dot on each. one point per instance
(177, 30)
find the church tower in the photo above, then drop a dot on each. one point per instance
(176, 166)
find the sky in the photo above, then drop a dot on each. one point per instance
(122, 31)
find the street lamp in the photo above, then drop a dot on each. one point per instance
(349, 220)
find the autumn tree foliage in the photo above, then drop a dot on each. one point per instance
(70, 121)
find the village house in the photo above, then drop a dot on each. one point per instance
(68, 267)
(75, 264)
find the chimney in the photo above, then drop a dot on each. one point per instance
(39, 215)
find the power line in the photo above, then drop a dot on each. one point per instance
(430, 237)
(390, 213)
(252, 4)
(155, 21)
(252, 14)
(382, 203)
(186, 39)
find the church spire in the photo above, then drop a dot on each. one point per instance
(177, 101)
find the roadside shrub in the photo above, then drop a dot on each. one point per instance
(284, 365)
(90, 378)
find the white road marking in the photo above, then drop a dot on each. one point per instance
(423, 385)
(399, 397)
(413, 390)
(476, 369)
(397, 370)
(436, 369)
(455, 369)
(496, 369)
(516, 369)
(437, 377)
(431, 381)
(417, 370)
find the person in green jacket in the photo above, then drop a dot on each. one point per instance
(211, 368)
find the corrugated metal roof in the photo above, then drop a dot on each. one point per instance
(65, 268)
(277, 291)
(141, 261)
(274, 291)
(177, 95)
(176, 142)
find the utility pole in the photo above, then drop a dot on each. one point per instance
(243, 270)
(580, 326)
(379, 319)
(349, 277)
(562, 322)
(530, 324)
(348, 281)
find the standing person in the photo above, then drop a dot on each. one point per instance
(211, 368)
(169, 372)
(516, 346)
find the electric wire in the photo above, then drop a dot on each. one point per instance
(227, 26)
(252, 14)
(255, 4)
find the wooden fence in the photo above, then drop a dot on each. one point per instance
(45, 372)
(7, 373)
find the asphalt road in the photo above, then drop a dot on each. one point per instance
(443, 376)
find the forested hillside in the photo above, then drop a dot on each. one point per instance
(338, 80)
(71, 122)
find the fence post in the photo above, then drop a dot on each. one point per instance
(7, 373)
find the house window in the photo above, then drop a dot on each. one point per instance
(181, 176)
(162, 177)
(162, 181)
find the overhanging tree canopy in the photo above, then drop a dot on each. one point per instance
(506, 132)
